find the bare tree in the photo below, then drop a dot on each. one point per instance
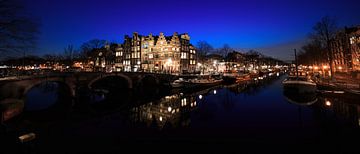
(18, 32)
(252, 57)
(203, 48)
(87, 47)
(70, 52)
(312, 54)
(324, 31)
(225, 50)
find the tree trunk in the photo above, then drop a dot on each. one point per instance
(330, 60)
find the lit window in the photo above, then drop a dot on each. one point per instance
(183, 55)
(151, 56)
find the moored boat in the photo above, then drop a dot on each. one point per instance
(177, 83)
(299, 84)
(201, 83)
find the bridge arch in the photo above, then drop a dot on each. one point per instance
(128, 79)
(33, 83)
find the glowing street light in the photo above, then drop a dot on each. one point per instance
(327, 103)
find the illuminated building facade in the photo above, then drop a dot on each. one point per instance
(166, 54)
(346, 50)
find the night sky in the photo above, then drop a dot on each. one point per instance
(274, 27)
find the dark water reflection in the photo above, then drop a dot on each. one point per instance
(42, 96)
(254, 116)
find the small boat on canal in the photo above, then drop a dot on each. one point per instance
(178, 83)
(299, 84)
(194, 83)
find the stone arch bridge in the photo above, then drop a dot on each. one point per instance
(17, 89)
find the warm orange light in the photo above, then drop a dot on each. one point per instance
(327, 103)
(316, 67)
(339, 67)
(325, 67)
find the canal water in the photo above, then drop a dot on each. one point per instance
(254, 116)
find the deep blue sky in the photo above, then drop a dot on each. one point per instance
(274, 27)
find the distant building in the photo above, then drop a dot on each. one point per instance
(346, 50)
(171, 54)
(103, 59)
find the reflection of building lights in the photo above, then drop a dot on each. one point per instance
(327, 103)
(160, 118)
(200, 96)
(169, 109)
(215, 92)
(183, 102)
